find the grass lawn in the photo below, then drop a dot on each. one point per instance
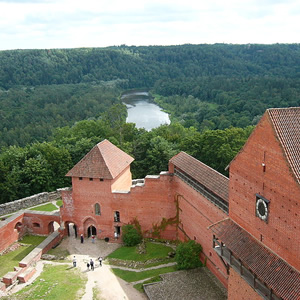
(10, 260)
(131, 276)
(56, 282)
(59, 203)
(45, 207)
(153, 251)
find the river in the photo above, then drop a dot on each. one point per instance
(143, 112)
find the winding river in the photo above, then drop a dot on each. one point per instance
(142, 111)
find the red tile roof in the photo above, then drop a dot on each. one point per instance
(278, 275)
(286, 122)
(205, 175)
(105, 161)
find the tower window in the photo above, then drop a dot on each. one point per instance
(97, 209)
(117, 216)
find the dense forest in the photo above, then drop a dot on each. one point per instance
(55, 105)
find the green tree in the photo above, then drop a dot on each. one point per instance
(130, 236)
(187, 255)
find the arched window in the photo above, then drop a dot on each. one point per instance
(97, 209)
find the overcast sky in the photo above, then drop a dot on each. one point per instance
(29, 24)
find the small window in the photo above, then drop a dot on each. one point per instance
(97, 209)
(117, 216)
(36, 225)
(101, 179)
(91, 179)
(80, 178)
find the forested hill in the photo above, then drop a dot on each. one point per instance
(204, 86)
(143, 66)
(55, 105)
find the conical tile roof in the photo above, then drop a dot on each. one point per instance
(105, 161)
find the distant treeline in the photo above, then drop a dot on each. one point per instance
(143, 66)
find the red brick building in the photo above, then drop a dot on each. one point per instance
(248, 224)
(260, 241)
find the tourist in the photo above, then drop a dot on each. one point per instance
(100, 261)
(116, 235)
(74, 261)
(93, 239)
(81, 238)
(92, 264)
(88, 266)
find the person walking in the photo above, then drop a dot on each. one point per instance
(88, 266)
(100, 261)
(93, 239)
(74, 261)
(81, 238)
(92, 264)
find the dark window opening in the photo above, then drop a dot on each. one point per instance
(91, 179)
(101, 179)
(117, 216)
(80, 178)
(97, 209)
(117, 231)
(36, 225)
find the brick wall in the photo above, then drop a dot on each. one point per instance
(149, 204)
(239, 289)
(196, 215)
(11, 230)
(276, 183)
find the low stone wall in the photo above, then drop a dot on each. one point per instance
(11, 207)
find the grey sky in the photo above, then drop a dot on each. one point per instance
(99, 23)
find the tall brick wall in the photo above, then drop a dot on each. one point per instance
(196, 214)
(239, 289)
(149, 204)
(276, 183)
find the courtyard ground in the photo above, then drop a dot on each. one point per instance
(194, 284)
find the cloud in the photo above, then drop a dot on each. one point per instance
(72, 23)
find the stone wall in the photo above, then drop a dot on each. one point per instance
(11, 207)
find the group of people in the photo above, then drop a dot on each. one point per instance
(89, 263)
(82, 239)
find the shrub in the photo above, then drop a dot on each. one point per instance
(187, 255)
(130, 235)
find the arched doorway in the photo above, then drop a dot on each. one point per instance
(91, 231)
(71, 229)
(18, 226)
(53, 226)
